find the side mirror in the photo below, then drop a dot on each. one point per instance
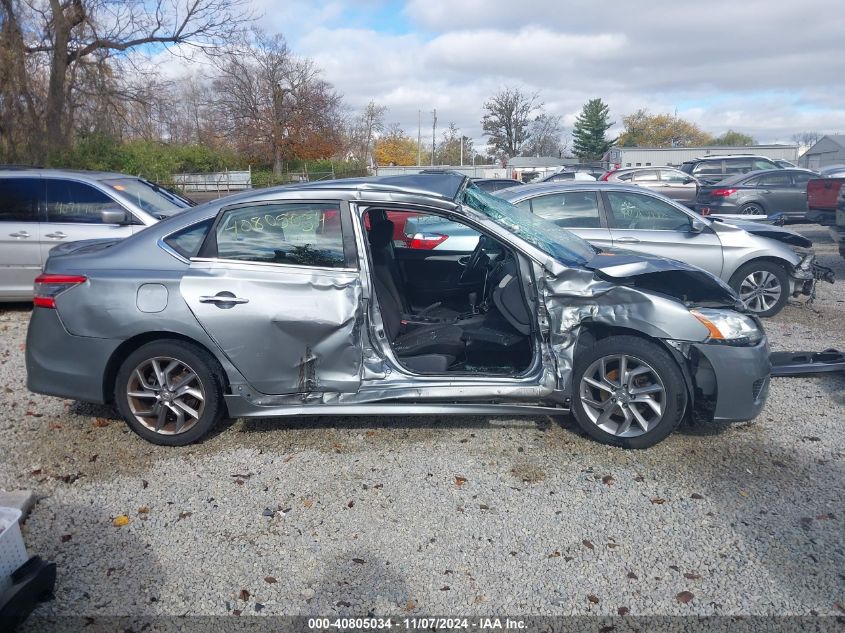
(696, 226)
(688, 180)
(115, 216)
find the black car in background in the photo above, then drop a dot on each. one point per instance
(709, 170)
(761, 192)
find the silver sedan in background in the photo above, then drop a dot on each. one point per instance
(763, 264)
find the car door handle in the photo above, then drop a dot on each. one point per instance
(58, 235)
(627, 240)
(223, 298)
(19, 234)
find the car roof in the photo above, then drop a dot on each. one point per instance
(649, 167)
(445, 184)
(760, 172)
(723, 156)
(523, 191)
(76, 174)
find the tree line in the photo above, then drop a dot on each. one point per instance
(80, 86)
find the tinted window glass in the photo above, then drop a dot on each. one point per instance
(575, 209)
(649, 175)
(187, 241)
(19, 198)
(760, 163)
(673, 177)
(801, 178)
(625, 177)
(751, 182)
(71, 201)
(635, 211)
(779, 179)
(300, 234)
(708, 168)
(738, 165)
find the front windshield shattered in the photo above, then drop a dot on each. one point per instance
(553, 240)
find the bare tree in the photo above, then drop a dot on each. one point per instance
(806, 139)
(276, 104)
(54, 40)
(546, 137)
(363, 131)
(507, 120)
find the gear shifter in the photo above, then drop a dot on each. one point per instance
(473, 301)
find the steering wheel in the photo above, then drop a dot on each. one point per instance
(475, 259)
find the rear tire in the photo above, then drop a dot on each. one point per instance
(621, 415)
(762, 286)
(752, 208)
(170, 392)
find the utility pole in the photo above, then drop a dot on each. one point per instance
(419, 137)
(433, 135)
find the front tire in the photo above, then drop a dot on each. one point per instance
(170, 392)
(627, 392)
(763, 287)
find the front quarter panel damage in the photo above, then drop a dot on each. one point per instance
(577, 298)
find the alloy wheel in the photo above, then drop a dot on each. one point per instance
(760, 291)
(752, 209)
(622, 395)
(165, 395)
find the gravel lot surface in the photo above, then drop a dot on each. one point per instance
(459, 515)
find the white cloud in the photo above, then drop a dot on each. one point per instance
(766, 68)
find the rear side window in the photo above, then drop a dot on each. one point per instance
(676, 177)
(576, 209)
(801, 178)
(738, 165)
(648, 175)
(187, 241)
(779, 179)
(297, 234)
(20, 199)
(708, 168)
(76, 202)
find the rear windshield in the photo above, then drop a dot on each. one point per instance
(564, 246)
(151, 198)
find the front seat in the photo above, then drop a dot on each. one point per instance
(380, 237)
(425, 348)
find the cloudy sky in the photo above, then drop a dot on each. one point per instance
(766, 67)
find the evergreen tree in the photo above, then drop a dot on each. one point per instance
(588, 134)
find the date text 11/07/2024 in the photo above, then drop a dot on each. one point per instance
(431, 623)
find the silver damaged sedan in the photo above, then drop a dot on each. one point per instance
(306, 300)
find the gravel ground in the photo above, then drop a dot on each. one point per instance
(460, 515)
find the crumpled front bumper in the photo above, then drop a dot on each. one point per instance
(804, 276)
(731, 383)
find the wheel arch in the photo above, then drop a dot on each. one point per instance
(779, 261)
(131, 344)
(594, 331)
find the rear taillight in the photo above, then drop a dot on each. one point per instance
(425, 241)
(48, 287)
(723, 193)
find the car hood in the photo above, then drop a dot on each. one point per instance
(777, 233)
(688, 283)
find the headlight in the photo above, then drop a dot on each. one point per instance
(729, 327)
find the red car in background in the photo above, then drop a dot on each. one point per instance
(822, 194)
